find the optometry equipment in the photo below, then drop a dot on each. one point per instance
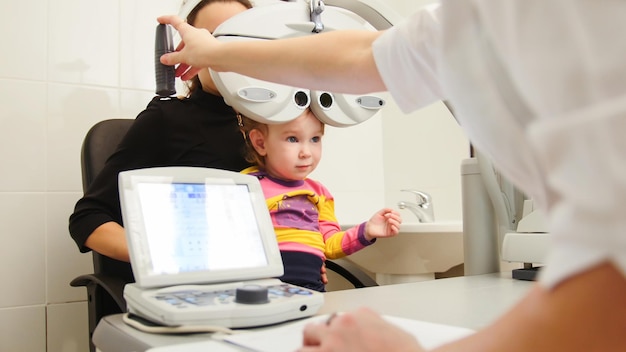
(204, 252)
(499, 223)
(275, 103)
(496, 223)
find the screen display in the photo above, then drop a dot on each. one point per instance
(200, 227)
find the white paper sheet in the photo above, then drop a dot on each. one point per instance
(288, 337)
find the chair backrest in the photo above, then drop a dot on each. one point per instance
(99, 143)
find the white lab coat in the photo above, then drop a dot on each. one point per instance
(540, 86)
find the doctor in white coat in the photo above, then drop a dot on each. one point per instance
(540, 87)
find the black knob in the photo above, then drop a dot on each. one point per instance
(252, 294)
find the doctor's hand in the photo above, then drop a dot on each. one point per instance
(192, 54)
(361, 330)
(385, 223)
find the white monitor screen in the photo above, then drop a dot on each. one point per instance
(194, 227)
(198, 227)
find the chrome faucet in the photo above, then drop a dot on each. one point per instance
(317, 7)
(423, 209)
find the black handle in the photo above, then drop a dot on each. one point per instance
(165, 75)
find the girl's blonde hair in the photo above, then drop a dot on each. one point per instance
(246, 125)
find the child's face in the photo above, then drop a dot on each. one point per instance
(293, 150)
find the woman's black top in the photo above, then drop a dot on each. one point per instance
(197, 131)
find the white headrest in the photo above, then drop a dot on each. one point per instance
(186, 7)
(275, 103)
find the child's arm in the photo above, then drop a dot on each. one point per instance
(385, 223)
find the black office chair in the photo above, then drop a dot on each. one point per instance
(105, 287)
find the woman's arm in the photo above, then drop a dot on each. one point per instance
(109, 239)
(97, 215)
(299, 62)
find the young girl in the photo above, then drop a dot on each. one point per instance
(302, 209)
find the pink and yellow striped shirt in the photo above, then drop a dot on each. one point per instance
(303, 214)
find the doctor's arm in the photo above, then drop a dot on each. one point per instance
(300, 62)
(583, 313)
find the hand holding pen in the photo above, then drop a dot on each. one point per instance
(362, 330)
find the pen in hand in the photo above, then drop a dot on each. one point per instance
(331, 318)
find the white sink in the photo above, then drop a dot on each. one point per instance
(418, 252)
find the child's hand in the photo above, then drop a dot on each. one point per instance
(385, 223)
(324, 274)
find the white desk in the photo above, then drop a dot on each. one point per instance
(469, 301)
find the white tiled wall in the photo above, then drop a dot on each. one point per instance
(23, 328)
(67, 64)
(73, 63)
(66, 329)
(423, 151)
(22, 134)
(23, 252)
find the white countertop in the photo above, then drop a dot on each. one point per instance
(467, 301)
